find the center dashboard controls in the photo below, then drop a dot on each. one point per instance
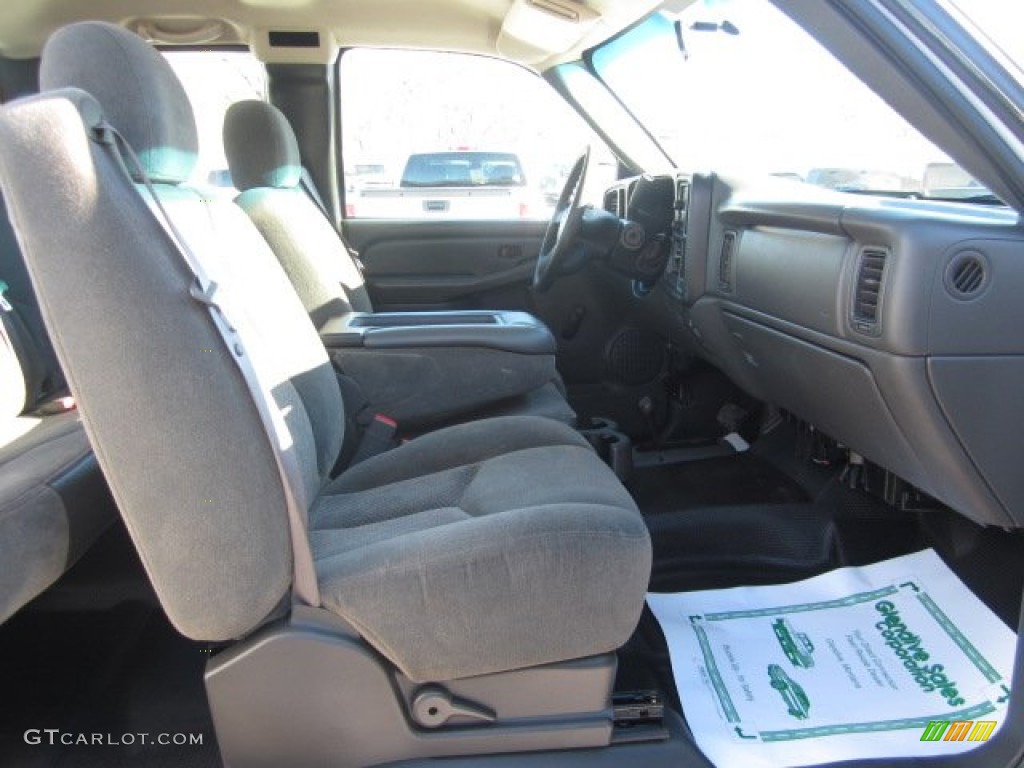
(675, 272)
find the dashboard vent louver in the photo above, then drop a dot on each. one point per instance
(682, 196)
(677, 266)
(725, 261)
(615, 202)
(868, 292)
(629, 192)
(611, 202)
(966, 275)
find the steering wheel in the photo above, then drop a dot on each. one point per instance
(563, 227)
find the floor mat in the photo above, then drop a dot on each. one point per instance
(893, 659)
(731, 545)
(733, 480)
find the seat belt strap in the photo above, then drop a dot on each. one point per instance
(306, 182)
(207, 292)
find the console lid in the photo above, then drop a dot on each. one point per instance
(510, 331)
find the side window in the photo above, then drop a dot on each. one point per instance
(214, 80)
(429, 135)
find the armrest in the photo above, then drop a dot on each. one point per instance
(516, 332)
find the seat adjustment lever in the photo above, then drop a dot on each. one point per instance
(433, 706)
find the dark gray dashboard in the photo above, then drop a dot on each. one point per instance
(895, 326)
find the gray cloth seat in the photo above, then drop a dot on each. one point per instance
(467, 549)
(53, 503)
(496, 545)
(263, 156)
(266, 167)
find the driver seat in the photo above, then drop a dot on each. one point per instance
(275, 192)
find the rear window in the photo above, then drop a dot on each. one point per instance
(463, 169)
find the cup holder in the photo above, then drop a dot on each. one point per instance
(597, 424)
(614, 448)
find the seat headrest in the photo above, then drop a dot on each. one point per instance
(260, 146)
(136, 87)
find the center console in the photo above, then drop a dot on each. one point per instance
(513, 332)
(424, 369)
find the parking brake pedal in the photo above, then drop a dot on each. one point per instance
(433, 706)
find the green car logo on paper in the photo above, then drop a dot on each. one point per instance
(796, 645)
(794, 696)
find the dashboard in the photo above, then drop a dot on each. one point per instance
(892, 325)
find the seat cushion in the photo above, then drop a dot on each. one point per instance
(53, 504)
(489, 546)
(547, 401)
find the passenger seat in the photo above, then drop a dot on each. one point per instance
(53, 500)
(501, 554)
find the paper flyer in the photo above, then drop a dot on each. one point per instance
(895, 659)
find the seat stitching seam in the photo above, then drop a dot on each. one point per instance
(479, 462)
(526, 537)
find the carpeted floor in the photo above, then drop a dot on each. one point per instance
(741, 521)
(733, 480)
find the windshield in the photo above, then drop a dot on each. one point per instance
(736, 86)
(999, 23)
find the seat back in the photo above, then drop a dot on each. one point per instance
(263, 156)
(169, 414)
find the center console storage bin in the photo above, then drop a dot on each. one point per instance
(427, 368)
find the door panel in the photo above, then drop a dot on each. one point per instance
(426, 265)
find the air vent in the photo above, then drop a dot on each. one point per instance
(611, 202)
(725, 261)
(682, 196)
(630, 190)
(966, 275)
(868, 291)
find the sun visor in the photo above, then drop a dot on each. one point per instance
(535, 29)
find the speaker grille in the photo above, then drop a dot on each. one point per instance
(636, 357)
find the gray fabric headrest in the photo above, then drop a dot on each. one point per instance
(139, 92)
(260, 146)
